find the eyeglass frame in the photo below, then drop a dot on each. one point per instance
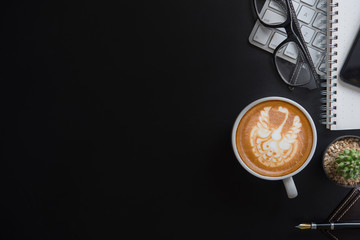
(292, 28)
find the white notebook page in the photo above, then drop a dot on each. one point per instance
(348, 96)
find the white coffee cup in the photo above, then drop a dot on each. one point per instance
(287, 179)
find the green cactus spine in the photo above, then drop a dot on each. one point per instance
(348, 164)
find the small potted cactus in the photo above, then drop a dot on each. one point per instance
(341, 161)
(348, 164)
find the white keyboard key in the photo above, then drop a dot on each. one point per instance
(310, 2)
(320, 21)
(273, 17)
(262, 35)
(276, 40)
(320, 41)
(307, 33)
(321, 5)
(315, 55)
(291, 51)
(296, 5)
(282, 30)
(306, 14)
(277, 7)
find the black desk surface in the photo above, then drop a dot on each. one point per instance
(116, 123)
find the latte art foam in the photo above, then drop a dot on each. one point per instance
(274, 138)
(271, 145)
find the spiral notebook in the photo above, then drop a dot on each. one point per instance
(341, 101)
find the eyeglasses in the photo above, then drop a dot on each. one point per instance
(300, 70)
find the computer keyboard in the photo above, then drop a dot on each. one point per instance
(312, 18)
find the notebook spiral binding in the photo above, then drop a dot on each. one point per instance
(329, 93)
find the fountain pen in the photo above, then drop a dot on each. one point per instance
(330, 225)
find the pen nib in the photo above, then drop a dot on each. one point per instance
(303, 226)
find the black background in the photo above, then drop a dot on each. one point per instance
(116, 123)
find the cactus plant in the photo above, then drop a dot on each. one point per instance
(348, 164)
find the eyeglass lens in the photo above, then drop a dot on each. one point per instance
(297, 71)
(266, 16)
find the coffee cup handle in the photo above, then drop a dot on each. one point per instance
(290, 187)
